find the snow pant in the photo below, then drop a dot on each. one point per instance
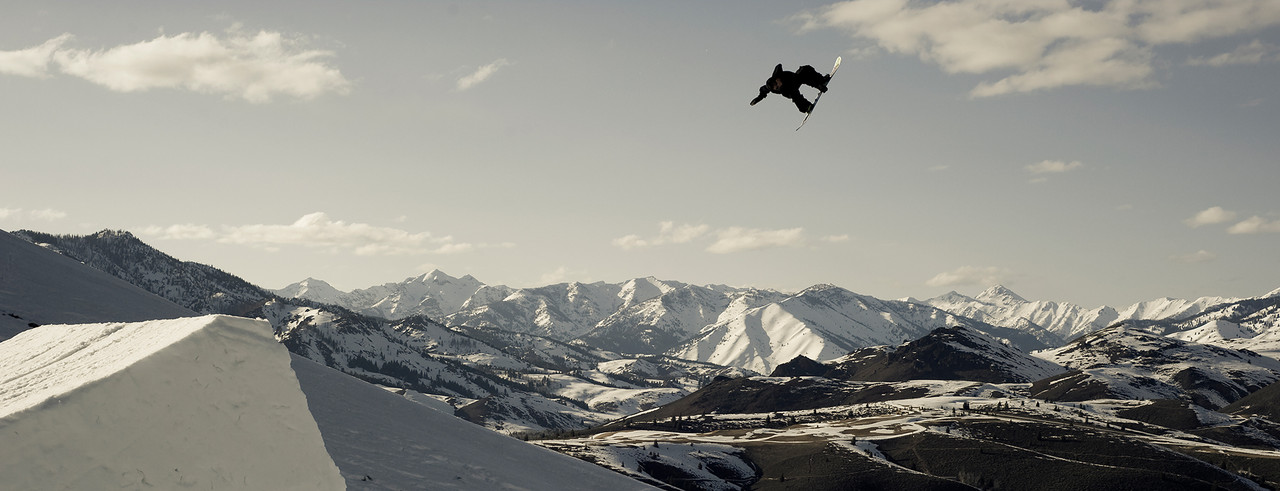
(809, 76)
(806, 75)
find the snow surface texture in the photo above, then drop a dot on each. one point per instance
(201, 402)
(39, 286)
(381, 440)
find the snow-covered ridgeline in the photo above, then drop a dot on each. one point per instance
(1002, 307)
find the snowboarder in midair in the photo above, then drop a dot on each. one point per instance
(788, 84)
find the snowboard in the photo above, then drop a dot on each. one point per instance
(816, 99)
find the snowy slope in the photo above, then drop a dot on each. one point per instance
(509, 382)
(201, 402)
(39, 286)
(1252, 324)
(1132, 363)
(384, 441)
(562, 311)
(947, 353)
(1216, 331)
(659, 323)
(821, 323)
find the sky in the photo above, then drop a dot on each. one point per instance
(1099, 152)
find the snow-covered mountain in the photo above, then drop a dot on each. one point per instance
(39, 286)
(433, 294)
(1252, 324)
(1002, 307)
(314, 290)
(196, 286)
(822, 323)
(1128, 362)
(947, 353)
(508, 381)
(660, 323)
(642, 315)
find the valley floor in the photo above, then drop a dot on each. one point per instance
(930, 443)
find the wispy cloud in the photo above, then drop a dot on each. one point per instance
(24, 215)
(836, 239)
(725, 240)
(1210, 216)
(970, 275)
(481, 74)
(740, 239)
(319, 231)
(1200, 256)
(1217, 215)
(1041, 45)
(1254, 53)
(188, 231)
(561, 274)
(1255, 225)
(668, 233)
(1045, 167)
(1053, 167)
(255, 67)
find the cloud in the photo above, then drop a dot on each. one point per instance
(560, 275)
(1040, 45)
(739, 239)
(836, 239)
(1210, 216)
(969, 275)
(1254, 53)
(668, 233)
(1255, 225)
(1053, 167)
(41, 215)
(1200, 256)
(254, 67)
(319, 231)
(727, 240)
(482, 74)
(180, 232)
(31, 62)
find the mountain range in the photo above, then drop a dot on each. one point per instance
(649, 354)
(745, 328)
(748, 328)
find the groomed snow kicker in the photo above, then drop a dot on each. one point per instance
(202, 403)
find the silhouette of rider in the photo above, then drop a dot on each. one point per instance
(788, 85)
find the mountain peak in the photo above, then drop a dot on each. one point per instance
(111, 234)
(951, 297)
(437, 277)
(999, 294)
